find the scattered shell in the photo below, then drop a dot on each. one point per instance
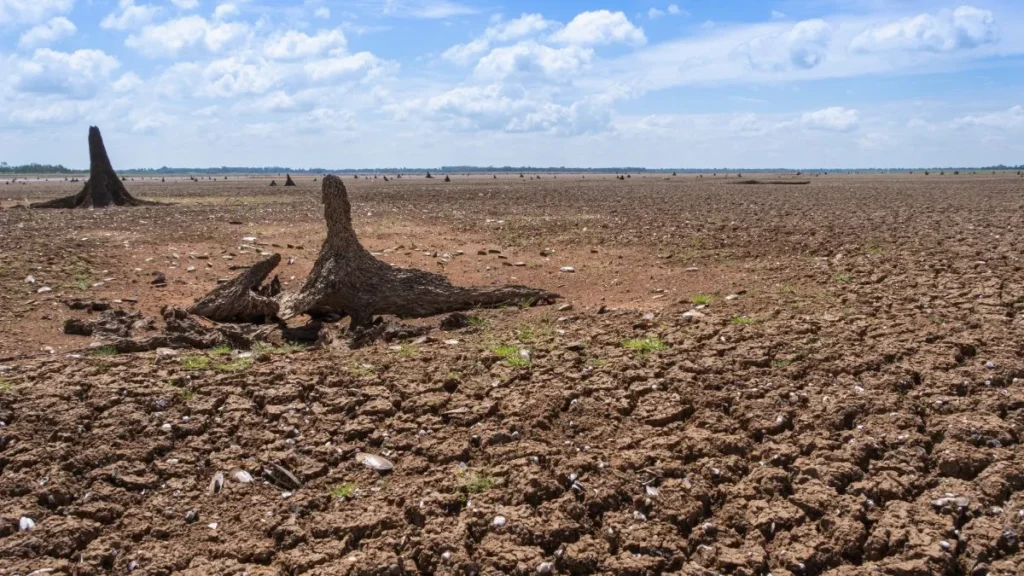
(241, 476)
(44, 290)
(212, 525)
(990, 365)
(166, 427)
(567, 269)
(545, 568)
(373, 461)
(216, 484)
(191, 516)
(25, 524)
(499, 522)
(30, 279)
(652, 490)
(447, 556)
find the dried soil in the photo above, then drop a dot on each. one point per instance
(845, 399)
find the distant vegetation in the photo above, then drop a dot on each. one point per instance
(60, 169)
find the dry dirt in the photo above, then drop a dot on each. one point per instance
(847, 402)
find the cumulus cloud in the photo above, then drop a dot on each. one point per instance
(600, 27)
(171, 37)
(57, 28)
(946, 31)
(531, 59)
(834, 119)
(230, 77)
(672, 9)
(129, 15)
(427, 9)
(185, 4)
(127, 82)
(343, 65)
(294, 45)
(508, 108)
(522, 27)
(225, 10)
(31, 11)
(76, 74)
(322, 12)
(804, 46)
(1004, 119)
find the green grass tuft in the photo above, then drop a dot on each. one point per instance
(346, 490)
(644, 345)
(195, 362)
(701, 299)
(103, 351)
(844, 278)
(222, 350)
(743, 320)
(477, 321)
(237, 365)
(478, 483)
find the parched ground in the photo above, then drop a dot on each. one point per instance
(750, 379)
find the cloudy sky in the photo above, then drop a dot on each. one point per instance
(376, 83)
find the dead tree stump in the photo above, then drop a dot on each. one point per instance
(347, 278)
(288, 180)
(243, 299)
(103, 187)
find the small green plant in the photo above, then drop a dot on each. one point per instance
(406, 351)
(701, 299)
(195, 362)
(844, 278)
(478, 483)
(286, 348)
(361, 370)
(187, 394)
(81, 283)
(743, 320)
(525, 335)
(644, 345)
(222, 350)
(477, 321)
(237, 365)
(527, 303)
(5, 386)
(345, 491)
(103, 352)
(511, 356)
(782, 363)
(876, 250)
(517, 361)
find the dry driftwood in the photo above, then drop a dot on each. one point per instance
(103, 188)
(347, 280)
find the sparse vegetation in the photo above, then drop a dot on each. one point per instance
(5, 386)
(477, 321)
(345, 491)
(645, 345)
(701, 299)
(743, 320)
(236, 365)
(844, 278)
(477, 483)
(103, 352)
(222, 350)
(195, 362)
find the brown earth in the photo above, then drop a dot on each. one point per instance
(847, 402)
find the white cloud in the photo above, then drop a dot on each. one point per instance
(655, 13)
(57, 28)
(948, 30)
(674, 10)
(342, 65)
(804, 46)
(185, 4)
(506, 108)
(76, 74)
(31, 11)
(129, 15)
(600, 27)
(225, 10)
(531, 59)
(127, 82)
(293, 45)
(229, 77)
(427, 9)
(149, 122)
(835, 119)
(322, 12)
(171, 37)
(777, 15)
(1005, 119)
(671, 9)
(522, 27)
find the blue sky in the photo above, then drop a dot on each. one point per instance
(375, 83)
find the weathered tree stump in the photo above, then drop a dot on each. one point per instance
(273, 182)
(347, 280)
(288, 180)
(103, 187)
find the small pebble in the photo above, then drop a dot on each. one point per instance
(499, 522)
(25, 524)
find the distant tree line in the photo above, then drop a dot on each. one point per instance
(33, 168)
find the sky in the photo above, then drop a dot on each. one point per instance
(424, 83)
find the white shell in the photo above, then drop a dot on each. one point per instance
(241, 476)
(373, 461)
(25, 524)
(217, 483)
